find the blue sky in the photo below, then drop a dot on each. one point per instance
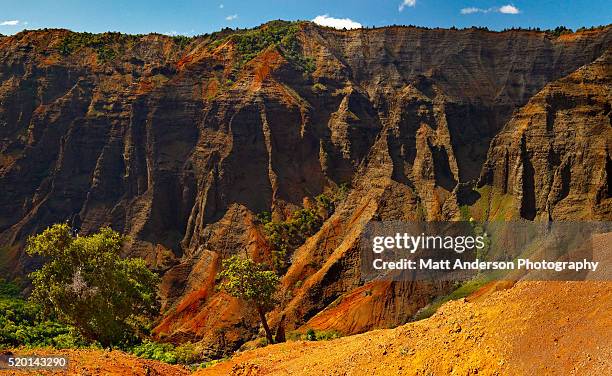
(191, 17)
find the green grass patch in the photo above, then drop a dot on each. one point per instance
(493, 205)
(314, 335)
(211, 363)
(187, 353)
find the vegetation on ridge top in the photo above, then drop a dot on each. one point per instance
(281, 34)
(249, 42)
(107, 45)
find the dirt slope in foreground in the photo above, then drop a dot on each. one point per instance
(107, 363)
(532, 328)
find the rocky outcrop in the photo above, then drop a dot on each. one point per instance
(179, 145)
(553, 156)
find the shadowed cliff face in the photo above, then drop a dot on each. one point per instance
(179, 145)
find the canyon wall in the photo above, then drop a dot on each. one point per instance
(180, 144)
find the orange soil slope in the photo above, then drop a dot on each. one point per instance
(560, 328)
(107, 363)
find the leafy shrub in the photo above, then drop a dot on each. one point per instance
(8, 289)
(310, 335)
(181, 41)
(107, 45)
(264, 217)
(319, 88)
(101, 43)
(558, 31)
(286, 236)
(86, 284)
(21, 324)
(325, 203)
(164, 352)
(326, 335)
(211, 363)
(592, 28)
(329, 201)
(187, 353)
(315, 335)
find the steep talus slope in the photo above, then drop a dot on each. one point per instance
(569, 327)
(180, 145)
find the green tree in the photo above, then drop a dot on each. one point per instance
(85, 283)
(250, 281)
(287, 236)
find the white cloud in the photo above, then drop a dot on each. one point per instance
(471, 10)
(406, 3)
(171, 33)
(231, 17)
(506, 9)
(336, 23)
(221, 6)
(9, 23)
(509, 9)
